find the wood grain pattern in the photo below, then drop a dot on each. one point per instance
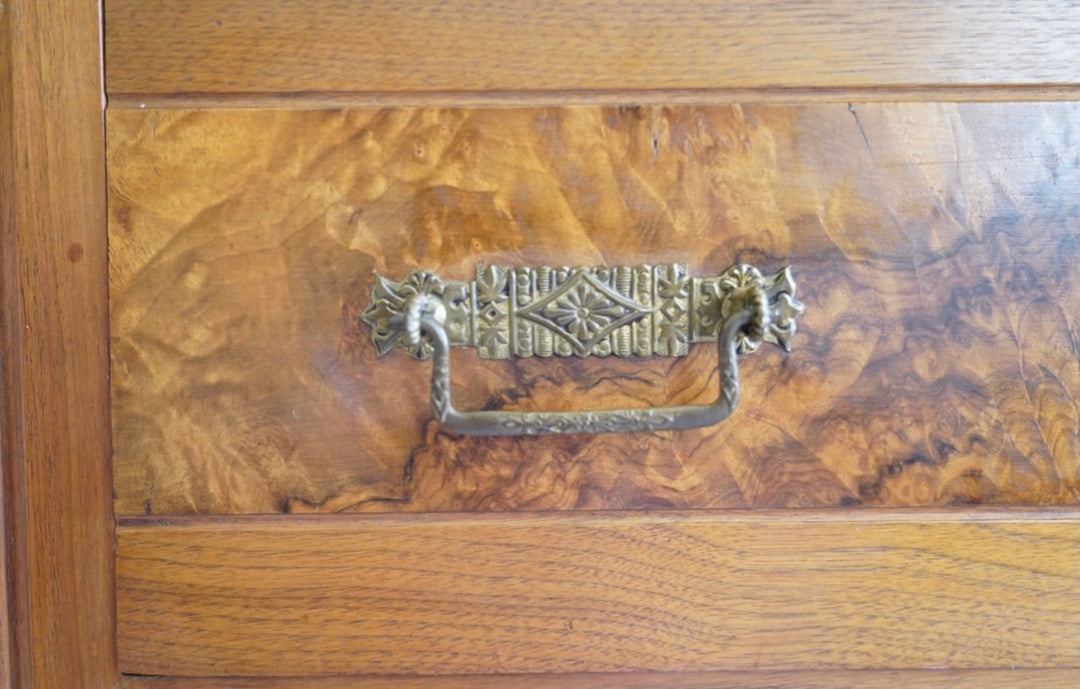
(57, 506)
(935, 245)
(842, 679)
(219, 46)
(625, 97)
(596, 592)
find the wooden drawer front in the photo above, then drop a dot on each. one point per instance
(936, 368)
(935, 247)
(759, 590)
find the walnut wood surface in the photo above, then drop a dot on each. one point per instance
(224, 46)
(58, 617)
(581, 592)
(811, 679)
(935, 246)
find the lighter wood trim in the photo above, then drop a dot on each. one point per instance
(543, 99)
(835, 679)
(57, 500)
(219, 46)
(599, 592)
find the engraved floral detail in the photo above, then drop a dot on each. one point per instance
(491, 285)
(734, 279)
(493, 339)
(784, 308)
(672, 336)
(673, 286)
(716, 303)
(492, 309)
(584, 311)
(672, 289)
(385, 315)
(613, 421)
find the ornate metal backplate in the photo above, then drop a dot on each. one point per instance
(583, 311)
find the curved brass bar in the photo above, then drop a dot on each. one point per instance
(751, 315)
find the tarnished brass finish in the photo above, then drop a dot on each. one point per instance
(584, 311)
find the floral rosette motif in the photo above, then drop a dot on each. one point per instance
(385, 315)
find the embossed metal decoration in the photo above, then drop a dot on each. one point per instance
(583, 311)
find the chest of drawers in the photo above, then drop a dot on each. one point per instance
(892, 500)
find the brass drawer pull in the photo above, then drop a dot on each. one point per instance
(584, 311)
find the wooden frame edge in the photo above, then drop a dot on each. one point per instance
(593, 592)
(534, 99)
(865, 679)
(59, 617)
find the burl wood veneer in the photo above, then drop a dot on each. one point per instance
(935, 247)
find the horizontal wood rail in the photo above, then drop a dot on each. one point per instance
(542, 99)
(819, 679)
(413, 46)
(599, 592)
